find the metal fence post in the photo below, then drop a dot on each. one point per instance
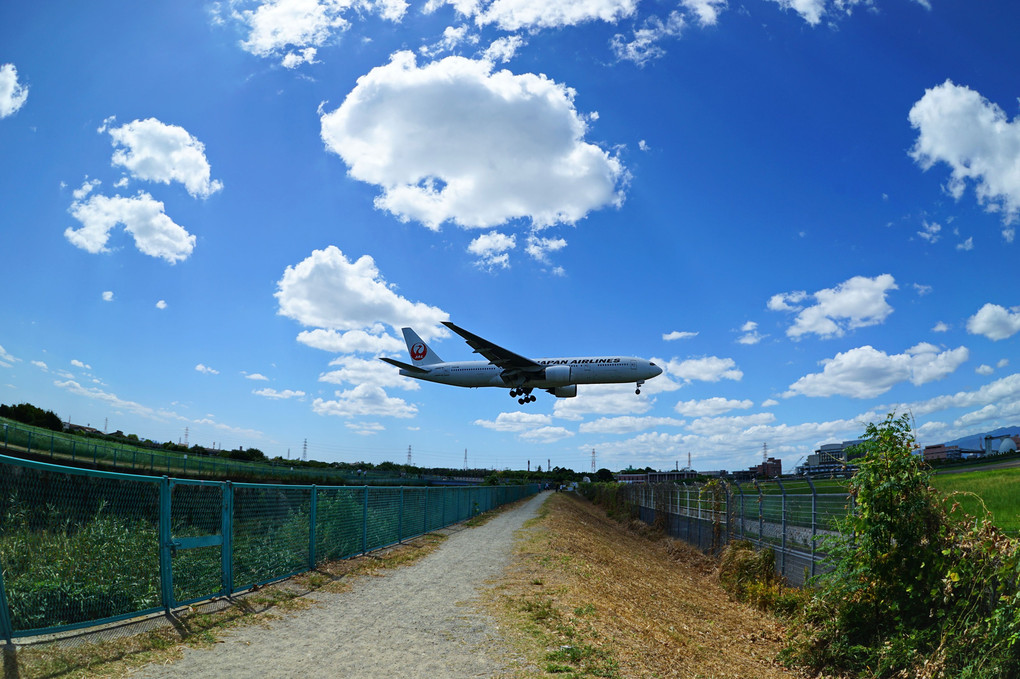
(400, 518)
(814, 521)
(227, 533)
(165, 563)
(311, 528)
(782, 488)
(425, 514)
(761, 512)
(364, 525)
(6, 629)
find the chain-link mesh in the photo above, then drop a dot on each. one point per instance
(76, 547)
(270, 533)
(339, 522)
(196, 510)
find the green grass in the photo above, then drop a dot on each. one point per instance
(997, 490)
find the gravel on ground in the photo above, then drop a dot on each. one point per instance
(423, 620)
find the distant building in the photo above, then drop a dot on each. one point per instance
(1001, 444)
(831, 458)
(631, 477)
(942, 452)
(673, 476)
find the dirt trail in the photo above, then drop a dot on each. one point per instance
(418, 621)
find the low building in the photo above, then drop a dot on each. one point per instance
(942, 452)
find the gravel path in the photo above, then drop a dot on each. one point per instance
(418, 621)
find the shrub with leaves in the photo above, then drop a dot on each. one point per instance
(915, 590)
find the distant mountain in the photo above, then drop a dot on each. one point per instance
(977, 441)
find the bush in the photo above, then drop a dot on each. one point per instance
(914, 591)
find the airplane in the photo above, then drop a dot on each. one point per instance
(505, 369)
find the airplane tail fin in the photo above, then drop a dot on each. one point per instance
(421, 353)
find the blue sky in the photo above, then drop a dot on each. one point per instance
(216, 215)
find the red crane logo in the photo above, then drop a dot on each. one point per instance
(418, 351)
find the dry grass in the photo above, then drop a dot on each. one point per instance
(588, 596)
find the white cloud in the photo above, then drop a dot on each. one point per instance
(855, 303)
(984, 369)
(161, 304)
(545, 435)
(354, 371)
(644, 46)
(769, 402)
(206, 370)
(603, 399)
(994, 322)
(328, 291)
(930, 232)
(492, 249)
(678, 334)
(539, 248)
(515, 15)
(365, 428)
(1003, 362)
(711, 407)
(364, 400)
(79, 364)
(13, 94)
(705, 369)
(627, 424)
(258, 377)
(940, 327)
(155, 234)
(503, 49)
(453, 36)
(455, 141)
(810, 10)
(959, 127)
(966, 245)
(106, 397)
(706, 10)
(866, 372)
(292, 29)
(6, 359)
(516, 422)
(352, 341)
(41, 365)
(108, 295)
(751, 334)
(154, 151)
(279, 395)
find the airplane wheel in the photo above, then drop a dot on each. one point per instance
(533, 398)
(637, 391)
(513, 393)
(521, 401)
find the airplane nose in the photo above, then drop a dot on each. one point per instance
(657, 370)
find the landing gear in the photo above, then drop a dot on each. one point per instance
(525, 395)
(638, 389)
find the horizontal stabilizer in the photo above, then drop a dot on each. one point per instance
(404, 366)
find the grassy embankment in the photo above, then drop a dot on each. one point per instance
(588, 596)
(997, 490)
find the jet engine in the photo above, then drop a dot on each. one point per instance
(569, 391)
(558, 373)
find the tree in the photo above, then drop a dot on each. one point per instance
(604, 475)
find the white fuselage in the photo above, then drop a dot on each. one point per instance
(560, 372)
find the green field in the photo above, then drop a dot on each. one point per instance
(997, 490)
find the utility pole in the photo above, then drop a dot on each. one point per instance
(106, 424)
(304, 452)
(592, 460)
(185, 437)
(465, 459)
(409, 455)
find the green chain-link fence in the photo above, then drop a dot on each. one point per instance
(81, 547)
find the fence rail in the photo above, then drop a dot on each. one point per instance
(791, 517)
(81, 547)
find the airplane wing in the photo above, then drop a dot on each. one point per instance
(497, 355)
(406, 366)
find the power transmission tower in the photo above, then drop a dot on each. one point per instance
(185, 437)
(465, 458)
(304, 452)
(592, 460)
(409, 455)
